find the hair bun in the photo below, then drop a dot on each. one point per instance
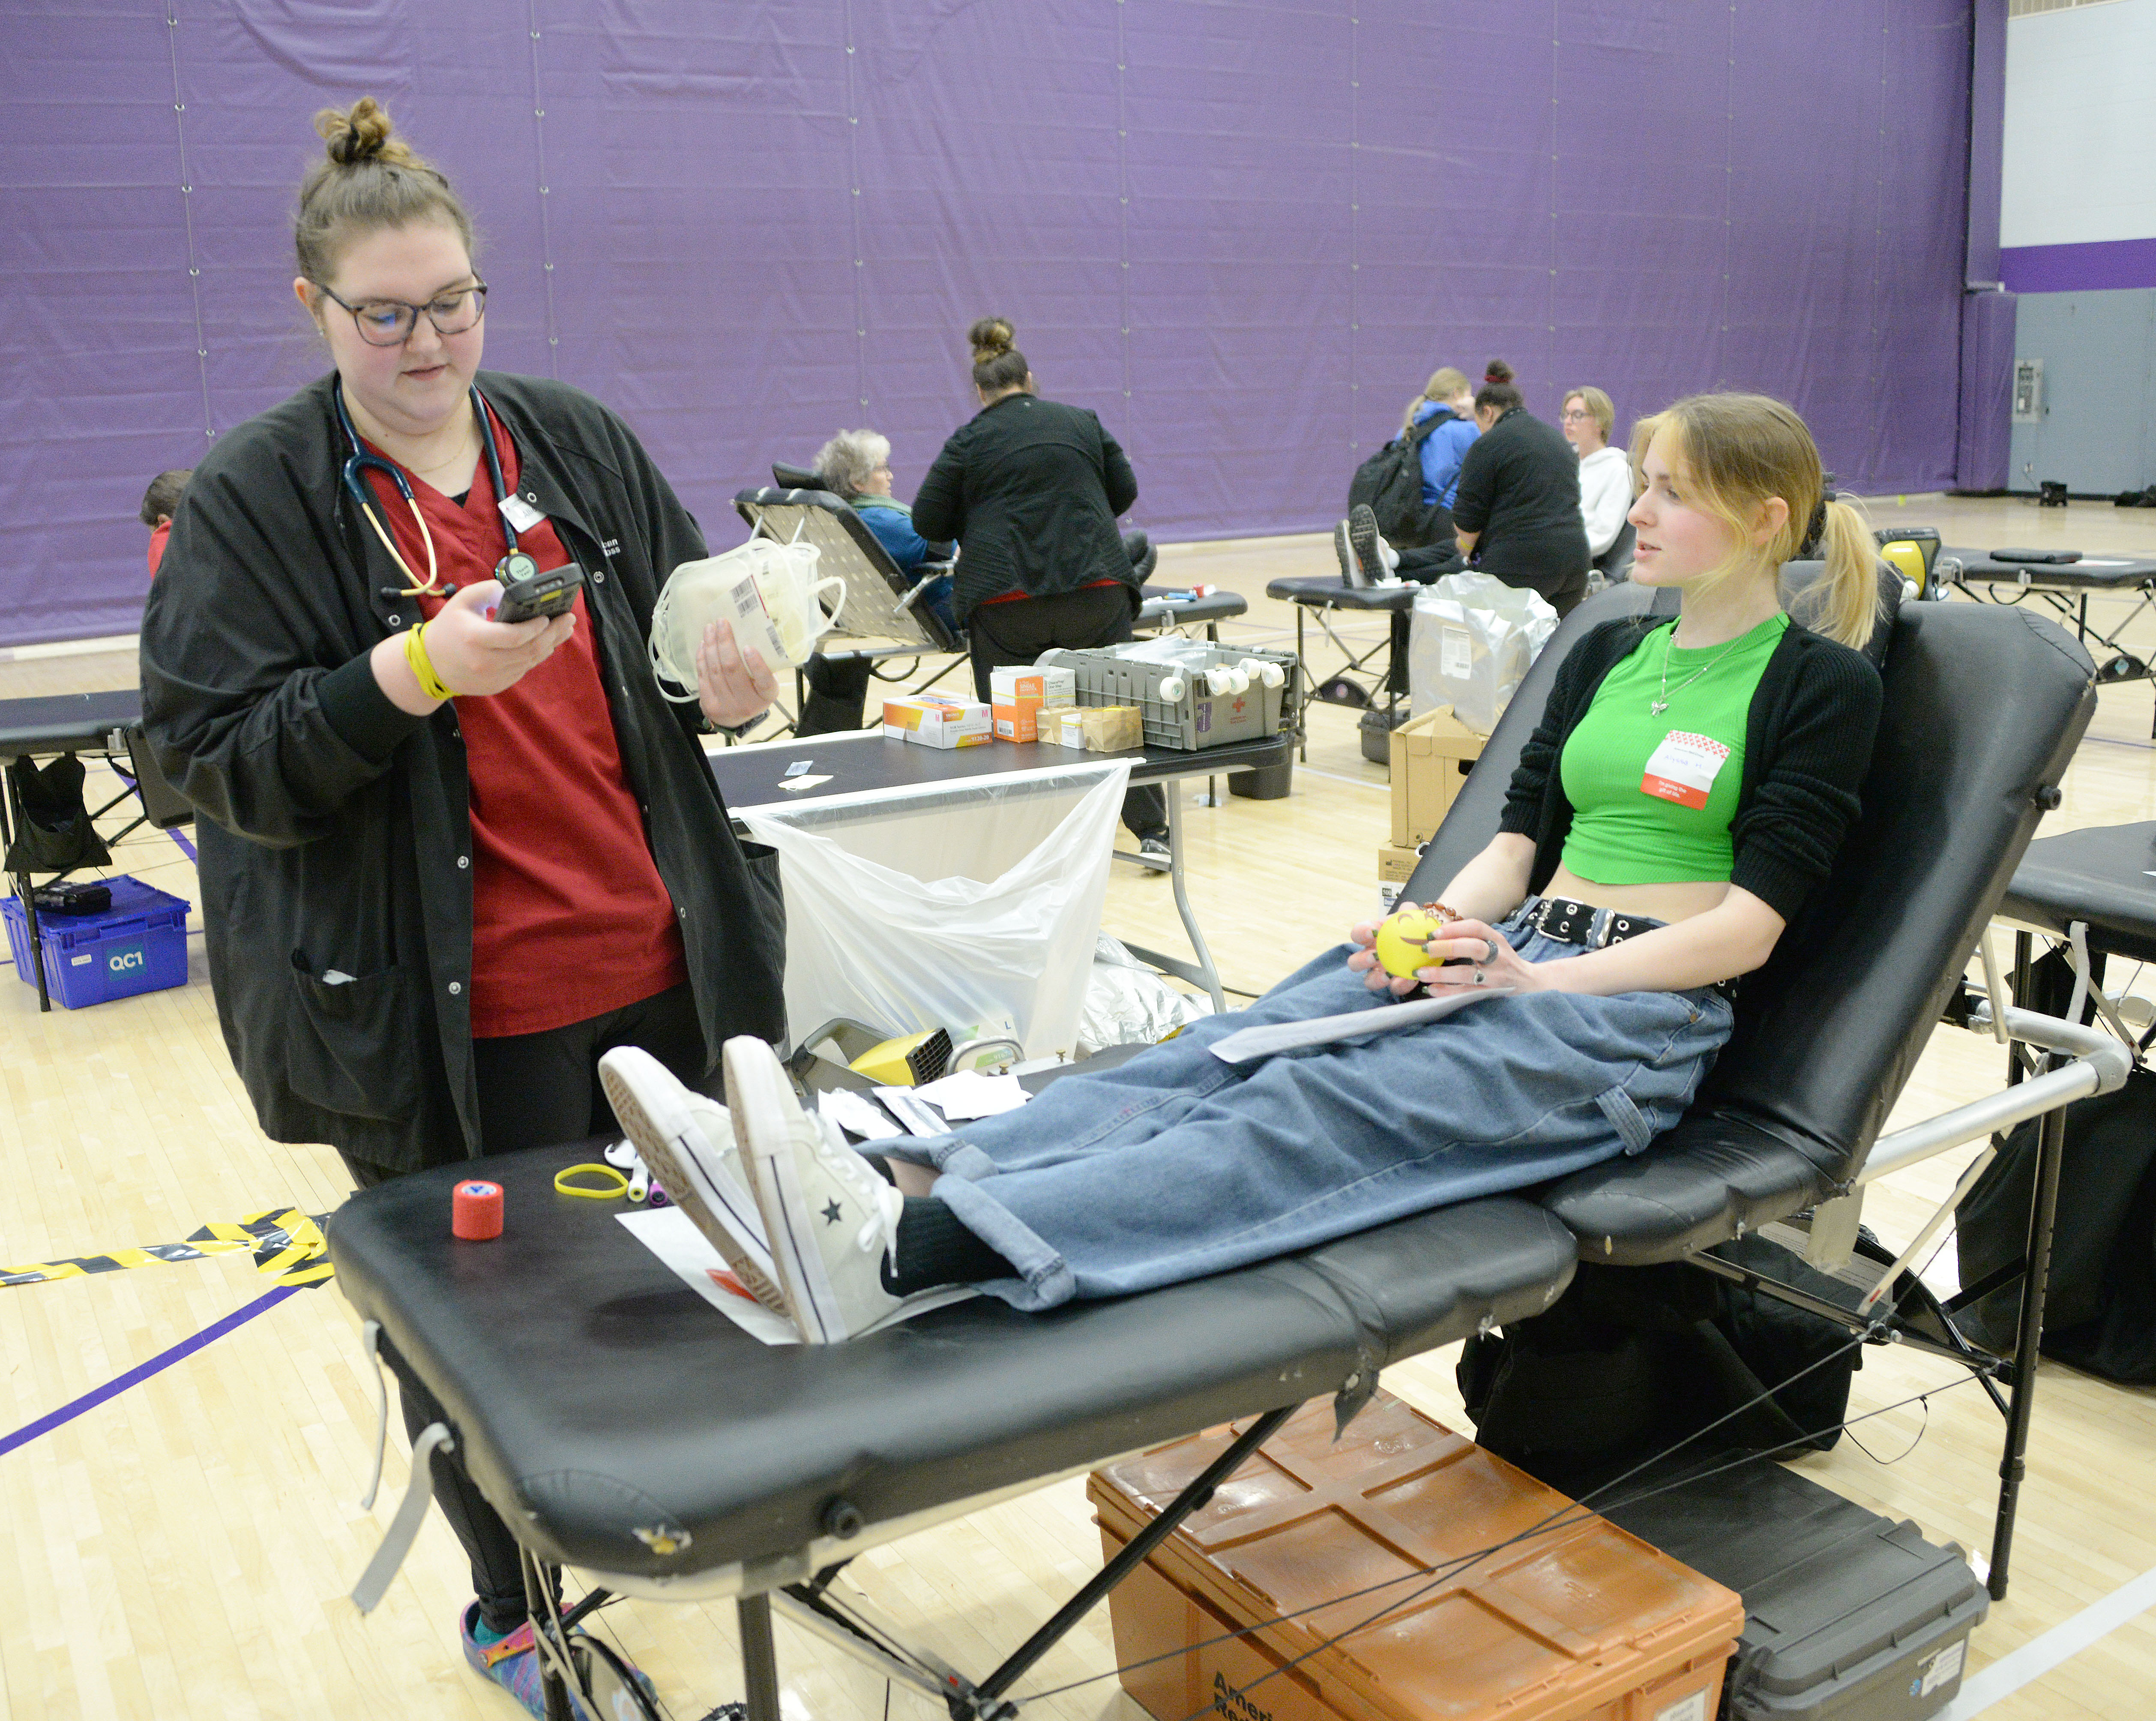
(991, 337)
(361, 133)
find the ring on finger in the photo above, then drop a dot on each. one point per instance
(1489, 954)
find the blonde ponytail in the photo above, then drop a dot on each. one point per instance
(1849, 609)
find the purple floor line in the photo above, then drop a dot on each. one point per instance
(142, 1371)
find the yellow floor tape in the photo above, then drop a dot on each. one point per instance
(287, 1245)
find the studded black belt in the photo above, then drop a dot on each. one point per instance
(1593, 928)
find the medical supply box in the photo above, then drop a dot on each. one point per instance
(1094, 728)
(1190, 693)
(1432, 755)
(1500, 1601)
(1850, 1617)
(937, 722)
(139, 944)
(1019, 697)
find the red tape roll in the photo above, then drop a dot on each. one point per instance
(475, 1211)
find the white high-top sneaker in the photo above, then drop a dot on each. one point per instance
(830, 1219)
(687, 1141)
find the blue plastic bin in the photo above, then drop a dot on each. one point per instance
(140, 944)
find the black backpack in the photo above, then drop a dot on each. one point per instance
(1390, 482)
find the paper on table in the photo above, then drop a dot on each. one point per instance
(906, 1105)
(670, 1234)
(1247, 1044)
(858, 1113)
(971, 1094)
(794, 785)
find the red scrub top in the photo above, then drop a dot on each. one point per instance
(569, 918)
(158, 534)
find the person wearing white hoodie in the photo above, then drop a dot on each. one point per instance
(1605, 474)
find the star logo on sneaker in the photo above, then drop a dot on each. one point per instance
(830, 1213)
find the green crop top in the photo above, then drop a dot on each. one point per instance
(1653, 794)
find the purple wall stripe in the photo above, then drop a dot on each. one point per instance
(2102, 266)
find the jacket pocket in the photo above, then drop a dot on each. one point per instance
(351, 1044)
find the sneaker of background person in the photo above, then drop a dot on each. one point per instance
(1155, 852)
(687, 1141)
(1376, 558)
(830, 1219)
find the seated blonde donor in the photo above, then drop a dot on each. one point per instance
(1689, 785)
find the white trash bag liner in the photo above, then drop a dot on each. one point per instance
(1128, 1004)
(1470, 644)
(902, 952)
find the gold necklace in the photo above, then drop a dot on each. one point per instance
(1658, 707)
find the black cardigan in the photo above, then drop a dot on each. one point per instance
(336, 829)
(1030, 490)
(1807, 746)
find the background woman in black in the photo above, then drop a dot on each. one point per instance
(1030, 490)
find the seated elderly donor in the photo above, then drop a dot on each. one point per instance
(855, 465)
(1689, 785)
(1605, 474)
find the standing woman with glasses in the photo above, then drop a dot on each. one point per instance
(447, 861)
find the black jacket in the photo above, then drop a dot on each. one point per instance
(1807, 746)
(1030, 489)
(1519, 489)
(336, 829)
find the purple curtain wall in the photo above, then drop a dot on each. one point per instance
(1243, 233)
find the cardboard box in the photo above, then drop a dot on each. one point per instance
(1395, 864)
(1019, 697)
(1432, 755)
(1507, 1602)
(937, 722)
(1097, 728)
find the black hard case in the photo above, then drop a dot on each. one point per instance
(1849, 1616)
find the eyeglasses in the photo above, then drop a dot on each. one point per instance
(389, 322)
(1569, 414)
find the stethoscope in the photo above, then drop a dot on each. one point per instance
(513, 567)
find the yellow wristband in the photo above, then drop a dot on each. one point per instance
(422, 666)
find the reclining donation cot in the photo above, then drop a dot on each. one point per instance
(623, 1428)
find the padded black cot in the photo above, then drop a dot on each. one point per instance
(2064, 588)
(626, 1429)
(1984, 706)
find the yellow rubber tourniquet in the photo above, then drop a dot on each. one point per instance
(617, 1185)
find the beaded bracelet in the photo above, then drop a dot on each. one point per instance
(422, 666)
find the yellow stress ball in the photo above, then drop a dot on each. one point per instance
(1400, 940)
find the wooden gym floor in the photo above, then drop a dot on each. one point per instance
(184, 1550)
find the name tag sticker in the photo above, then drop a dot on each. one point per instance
(520, 513)
(1683, 768)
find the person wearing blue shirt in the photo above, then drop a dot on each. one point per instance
(1447, 393)
(855, 465)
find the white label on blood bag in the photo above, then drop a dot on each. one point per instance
(1683, 768)
(1456, 654)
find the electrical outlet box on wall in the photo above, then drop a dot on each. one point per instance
(2028, 391)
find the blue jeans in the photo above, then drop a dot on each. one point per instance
(1175, 1165)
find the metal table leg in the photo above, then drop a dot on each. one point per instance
(2013, 1463)
(759, 1658)
(10, 821)
(1202, 973)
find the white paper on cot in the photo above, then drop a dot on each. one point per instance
(914, 1113)
(520, 513)
(971, 1094)
(1683, 768)
(794, 785)
(857, 1113)
(669, 1234)
(1247, 1044)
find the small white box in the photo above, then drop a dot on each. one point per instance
(937, 722)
